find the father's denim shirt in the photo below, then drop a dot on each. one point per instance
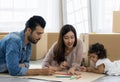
(13, 52)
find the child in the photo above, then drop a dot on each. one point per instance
(98, 55)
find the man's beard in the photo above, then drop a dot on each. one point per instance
(31, 39)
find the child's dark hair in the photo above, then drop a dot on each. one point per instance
(98, 49)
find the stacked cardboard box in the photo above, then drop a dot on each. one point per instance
(42, 47)
(116, 21)
(2, 34)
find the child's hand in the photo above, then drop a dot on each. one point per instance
(89, 69)
(82, 68)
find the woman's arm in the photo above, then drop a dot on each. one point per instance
(77, 57)
(49, 57)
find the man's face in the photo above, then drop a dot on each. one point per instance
(36, 35)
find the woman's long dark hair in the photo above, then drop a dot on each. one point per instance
(59, 49)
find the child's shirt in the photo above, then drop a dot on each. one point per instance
(111, 68)
(107, 63)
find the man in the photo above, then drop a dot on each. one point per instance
(15, 49)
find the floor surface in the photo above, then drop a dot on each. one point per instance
(108, 79)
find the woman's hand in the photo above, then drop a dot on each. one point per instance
(63, 65)
(73, 71)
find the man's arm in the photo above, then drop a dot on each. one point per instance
(40, 72)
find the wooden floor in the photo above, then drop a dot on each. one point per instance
(85, 76)
(108, 79)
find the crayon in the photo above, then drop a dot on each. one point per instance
(78, 77)
(62, 76)
(73, 77)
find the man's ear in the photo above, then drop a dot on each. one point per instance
(28, 30)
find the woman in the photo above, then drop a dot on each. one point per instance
(66, 53)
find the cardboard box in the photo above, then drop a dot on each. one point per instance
(116, 21)
(42, 47)
(110, 41)
(2, 34)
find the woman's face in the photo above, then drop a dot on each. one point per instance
(69, 39)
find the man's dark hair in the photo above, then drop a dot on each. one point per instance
(35, 21)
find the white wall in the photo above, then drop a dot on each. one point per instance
(49, 9)
(53, 16)
(102, 14)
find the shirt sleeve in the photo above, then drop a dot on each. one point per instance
(27, 58)
(12, 58)
(99, 62)
(26, 64)
(47, 61)
(77, 55)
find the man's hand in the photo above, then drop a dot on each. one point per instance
(46, 71)
(54, 68)
(22, 65)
